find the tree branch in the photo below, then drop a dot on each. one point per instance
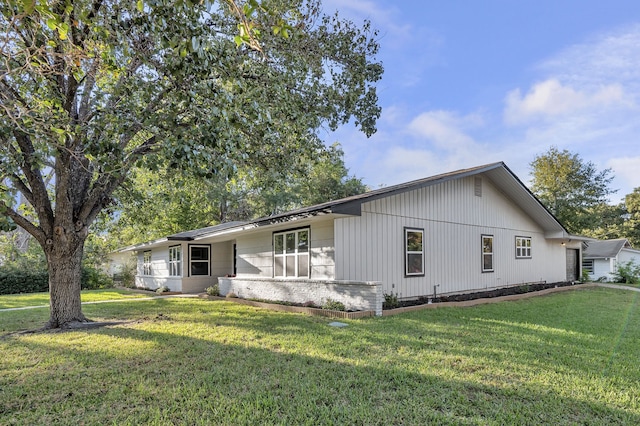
(24, 223)
(89, 83)
(34, 177)
(22, 187)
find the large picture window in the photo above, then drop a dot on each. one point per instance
(175, 261)
(487, 253)
(146, 263)
(413, 252)
(523, 247)
(199, 260)
(291, 254)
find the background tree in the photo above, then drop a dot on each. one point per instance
(631, 227)
(90, 89)
(612, 221)
(570, 188)
(155, 204)
(320, 178)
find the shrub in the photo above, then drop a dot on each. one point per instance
(309, 304)
(213, 290)
(390, 301)
(231, 295)
(162, 289)
(126, 278)
(333, 305)
(585, 276)
(94, 279)
(14, 281)
(627, 273)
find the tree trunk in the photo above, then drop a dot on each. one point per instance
(65, 273)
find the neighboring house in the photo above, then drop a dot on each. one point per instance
(465, 231)
(601, 258)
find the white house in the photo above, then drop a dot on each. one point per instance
(465, 231)
(601, 258)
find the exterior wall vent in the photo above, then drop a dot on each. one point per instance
(477, 187)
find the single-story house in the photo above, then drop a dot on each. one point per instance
(601, 258)
(464, 231)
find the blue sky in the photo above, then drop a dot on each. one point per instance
(473, 82)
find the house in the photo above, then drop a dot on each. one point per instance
(601, 258)
(464, 231)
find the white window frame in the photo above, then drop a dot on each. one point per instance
(301, 258)
(207, 261)
(146, 263)
(485, 253)
(175, 261)
(412, 253)
(523, 247)
(587, 265)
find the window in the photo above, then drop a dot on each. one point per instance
(523, 247)
(146, 263)
(199, 260)
(487, 253)
(291, 254)
(175, 261)
(413, 252)
(587, 266)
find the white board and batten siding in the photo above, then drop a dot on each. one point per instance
(255, 250)
(371, 247)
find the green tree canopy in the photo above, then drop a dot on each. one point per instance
(571, 188)
(90, 89)
(156, 204)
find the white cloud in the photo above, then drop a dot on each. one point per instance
(550, 99)
(626, 170)
(607, 57)
(445, 128)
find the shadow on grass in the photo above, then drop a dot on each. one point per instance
(227, 364)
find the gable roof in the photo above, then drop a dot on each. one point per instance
(598, 249)
(498, 173)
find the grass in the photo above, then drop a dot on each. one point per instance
(568, 358)
(42, 299)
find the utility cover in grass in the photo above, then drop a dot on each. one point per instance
(338, 324)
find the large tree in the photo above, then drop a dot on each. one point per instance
(91, 88)
(571, 188)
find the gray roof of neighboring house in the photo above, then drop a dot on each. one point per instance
(498, 173)
(605, 249)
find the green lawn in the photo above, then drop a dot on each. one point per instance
(568, 358)
(42, 299)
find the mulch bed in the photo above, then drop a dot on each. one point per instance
(498, 292)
